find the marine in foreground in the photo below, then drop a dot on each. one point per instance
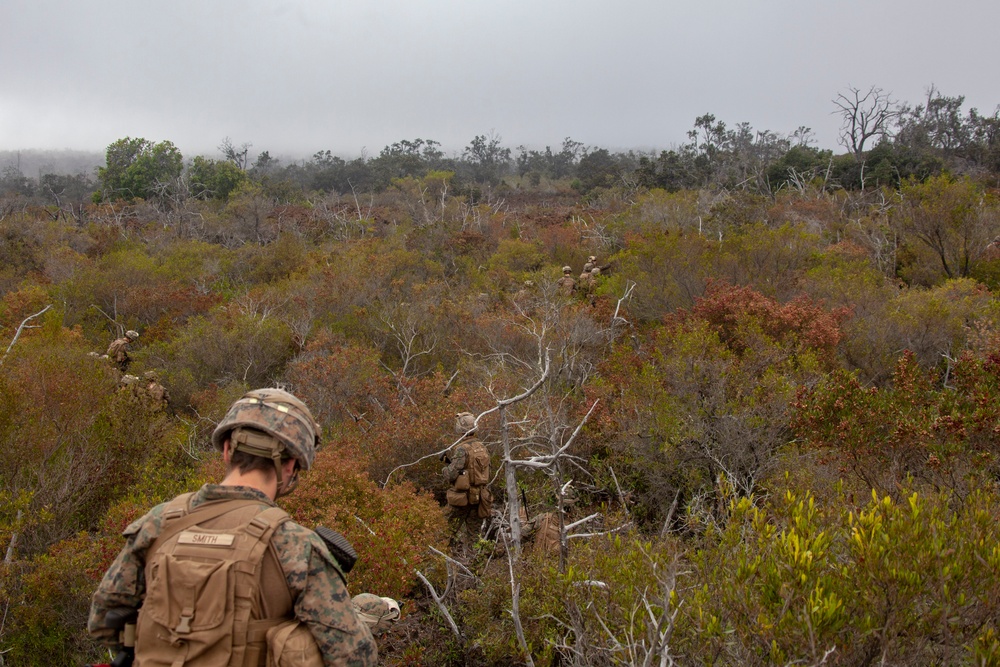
(217, 575)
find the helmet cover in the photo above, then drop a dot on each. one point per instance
(465, 422)
(279, 414)
(378, 613)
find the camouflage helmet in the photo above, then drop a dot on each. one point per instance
(280, 415)
(567, 269)
(378, 613)
(131, 335)
(591, 259)
(465, 422)
(150, 375)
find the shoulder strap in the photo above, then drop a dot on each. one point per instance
(263, 526)
(273, 576)
(247, 630)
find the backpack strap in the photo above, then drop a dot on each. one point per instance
(249, 568)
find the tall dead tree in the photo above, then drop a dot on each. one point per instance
(865, 116)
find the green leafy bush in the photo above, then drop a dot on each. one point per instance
(911, 582)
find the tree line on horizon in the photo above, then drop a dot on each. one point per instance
(885, 142)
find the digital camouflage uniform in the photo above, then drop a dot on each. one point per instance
(156, 391)
(566, 284)
(118, 350)
(468, 515)
(378, 613)
(588, 283)
(314, 580)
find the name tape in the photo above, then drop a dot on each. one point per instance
(206, 539)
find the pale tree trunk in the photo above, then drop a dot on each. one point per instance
(510, 476)
(9, 558)
(24, 325)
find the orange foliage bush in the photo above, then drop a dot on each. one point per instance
(339, 381)
(737, 314)
(390, 528)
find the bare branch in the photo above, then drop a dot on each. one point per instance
(438, 600)
(571, 526)
(454, 562)
(12, 545)
(670, 515)
(628, 291)
(864, 116)
(515, 606)
(620, 528)
(546, 460)
(24, 325)
(447, 386)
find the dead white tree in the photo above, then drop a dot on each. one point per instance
(545, 346)
(509, 463)
(402, 327)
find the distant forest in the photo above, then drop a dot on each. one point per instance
(886, 143)
(742, 397)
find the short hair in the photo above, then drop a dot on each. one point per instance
(249, 463)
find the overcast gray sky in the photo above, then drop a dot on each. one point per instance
(295, 77)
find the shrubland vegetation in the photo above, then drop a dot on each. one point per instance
(769, 431)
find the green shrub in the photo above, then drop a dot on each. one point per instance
(910, 582)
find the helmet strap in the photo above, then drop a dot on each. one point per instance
(264, 445)
(293, 481)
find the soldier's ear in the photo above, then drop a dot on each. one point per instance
(226, 451)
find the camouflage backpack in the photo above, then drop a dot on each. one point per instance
(212, 591)
(477, 463)
(477, 467)
(547, 537)
(118, 349)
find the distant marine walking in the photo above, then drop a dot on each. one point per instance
(567, 285)
(119, 349)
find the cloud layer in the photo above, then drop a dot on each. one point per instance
(294, 77)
